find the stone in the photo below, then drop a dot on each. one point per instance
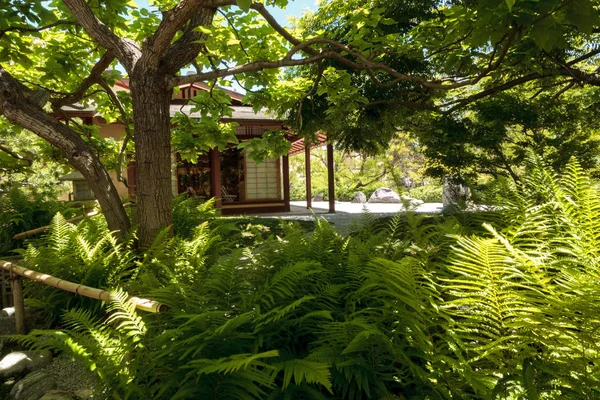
(318, 197)
(411, 202)
(18, 362)
(384, 195)
(58, 395)
(7, 321)
(7, 312)
(83, 393)
(359, 197)
(455, 194)
(32, 387)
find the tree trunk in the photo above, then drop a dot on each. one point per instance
(19, 110)
(152, 137)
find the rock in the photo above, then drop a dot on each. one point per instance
(83, 393)
(7, 322)
(58, 395)
(318, 197)
(384, 195)
(359, 197)
(71, 376)
(455, 194)
(19, 362)
(32, 387)
(411, 202)
(7, 312)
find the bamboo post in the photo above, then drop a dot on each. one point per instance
(98, 294)
(4, 278)
(19, 302)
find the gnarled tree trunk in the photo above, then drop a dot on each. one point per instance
(21, 110)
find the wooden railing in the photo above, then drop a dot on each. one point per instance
(16, 272)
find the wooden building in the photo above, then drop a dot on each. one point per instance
(240, 185)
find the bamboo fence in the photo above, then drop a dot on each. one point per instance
(16, 271)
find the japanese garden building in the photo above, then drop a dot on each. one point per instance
(240, 185)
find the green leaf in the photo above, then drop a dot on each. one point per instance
(510, 4)
(244, 4)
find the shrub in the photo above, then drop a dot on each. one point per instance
(427, 193)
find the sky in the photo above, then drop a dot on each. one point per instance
(293, 9)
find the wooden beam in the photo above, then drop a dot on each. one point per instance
(286, 182)
(330, 178)
(308, 176)
(215, 176)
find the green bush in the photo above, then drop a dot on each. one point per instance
(423, 308)
(427, 193)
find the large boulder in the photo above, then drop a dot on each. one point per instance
(384, 195)
(33, 386)
(359, 197)
(318, 197)
(19, 362)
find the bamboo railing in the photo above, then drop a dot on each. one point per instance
(17, 271)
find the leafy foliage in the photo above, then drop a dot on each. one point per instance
(421, 307)
(22, 210)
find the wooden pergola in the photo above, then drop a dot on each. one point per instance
(299, 146)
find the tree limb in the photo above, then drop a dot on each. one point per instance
(20, 110)
(245, 68)
(126, 51)
(185, 49)
(37, 29)
(27, 160)
(126, 121)
(94, 77)
(172, 20)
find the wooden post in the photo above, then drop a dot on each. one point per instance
(330, 178)
(4, 279)
(19, 302)
(215, 176)
(286, 182)
(308, 176)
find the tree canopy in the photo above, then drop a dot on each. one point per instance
(358, 68)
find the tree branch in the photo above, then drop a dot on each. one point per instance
(185, 50)
(126, 51)
(18, 108)
(172, 20)
(94, 77)
(37, 29)
(266, 15)
(245, 68)
(126, 124)
(27, 160)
